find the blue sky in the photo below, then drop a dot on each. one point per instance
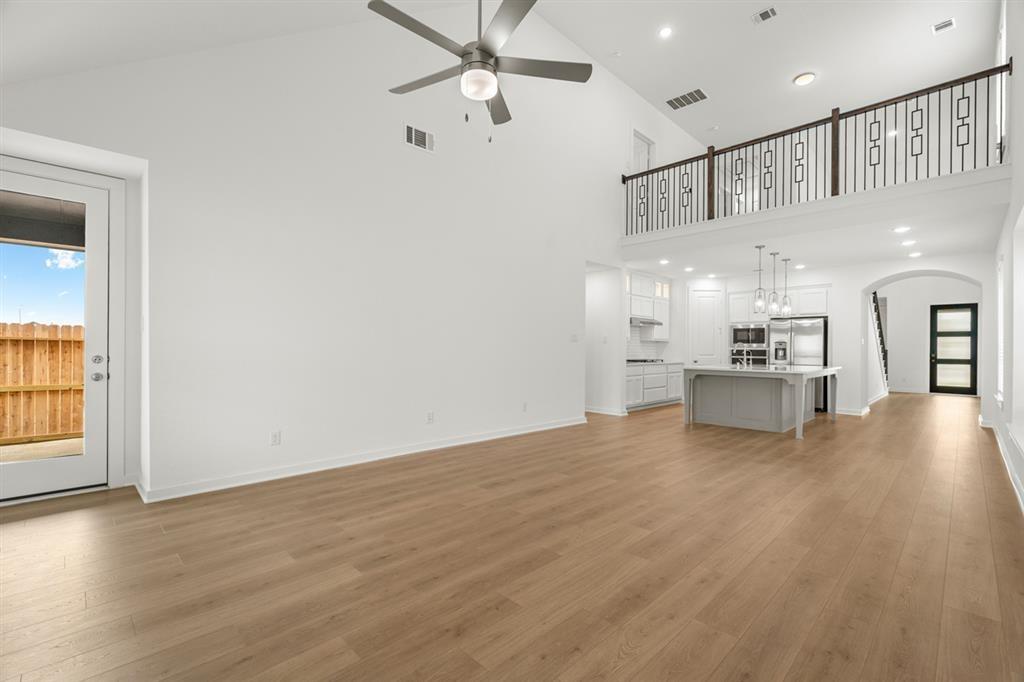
(43, 285)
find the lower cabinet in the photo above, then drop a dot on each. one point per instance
(650, 385)
(675, 386)
(634, 390)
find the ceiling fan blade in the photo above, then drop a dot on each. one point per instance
(505, 21)
(541, 68)
(419, 28)
(499, 110)
(427, 80)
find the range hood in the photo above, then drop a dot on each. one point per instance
(644, 322)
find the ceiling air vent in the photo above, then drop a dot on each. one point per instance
(689, 98)
(764, 15)
(947, 25)
(419, 138)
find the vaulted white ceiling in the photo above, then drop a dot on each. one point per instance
(863, 51)
(42, 38)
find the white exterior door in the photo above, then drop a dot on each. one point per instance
(64, 446)
(705, 317)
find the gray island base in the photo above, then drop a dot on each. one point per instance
(761, 398)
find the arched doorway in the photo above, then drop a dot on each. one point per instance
(912, 368)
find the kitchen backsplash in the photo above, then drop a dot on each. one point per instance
(638, 349)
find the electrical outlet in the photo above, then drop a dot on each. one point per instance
(275, 437)
(430, 417)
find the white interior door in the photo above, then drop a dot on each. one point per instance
(53, 357)
(705, 318)
(642, 153)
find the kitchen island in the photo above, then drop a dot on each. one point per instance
(775, 398)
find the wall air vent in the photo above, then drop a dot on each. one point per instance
(687, 99)
(764, 15)
(942, 26)
(419, 138)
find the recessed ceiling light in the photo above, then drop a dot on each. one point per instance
(688, 269)
(712, 129)
(663, 261)
(916, 254)
(801, 266)
(908, 242)
(712, 275)
(617, 53)
(901, 230)
(665, 32)
(804, 78)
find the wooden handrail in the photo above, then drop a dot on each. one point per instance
(772, 136)
(994, 71)
(667, 166)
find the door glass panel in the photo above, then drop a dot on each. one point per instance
(42, 335)
(953, 321)
(953, 348)
(953, 376)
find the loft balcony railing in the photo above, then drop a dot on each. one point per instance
(948, 128)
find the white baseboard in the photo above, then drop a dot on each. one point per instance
(211, 485)
(883, 394)
(1015, 481)
(610, 411)
(854, 413)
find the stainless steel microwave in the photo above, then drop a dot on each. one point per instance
(753, 335)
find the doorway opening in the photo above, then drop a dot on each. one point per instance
(643, 152)
(954, 349)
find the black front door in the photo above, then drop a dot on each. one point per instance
(954, 349)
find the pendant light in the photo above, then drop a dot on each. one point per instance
(787, 303)
(773, 297)
(759, 294)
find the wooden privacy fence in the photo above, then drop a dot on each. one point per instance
(41, 382)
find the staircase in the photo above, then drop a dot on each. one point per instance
(883, 351)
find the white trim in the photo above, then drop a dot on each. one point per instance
(610, 411)
(211, 485)
(863, 412)
(647, 406)
(883, 394)
(1016, 483)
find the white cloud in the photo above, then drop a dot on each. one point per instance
(63, 294)
(63, 260)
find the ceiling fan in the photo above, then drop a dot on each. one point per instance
(481, 64)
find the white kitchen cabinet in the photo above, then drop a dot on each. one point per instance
(812, 301)
(655, 395)
(641, 285)
(740, 307)
(662, 314)
(634, 390)
(641, 306)
(675, 385)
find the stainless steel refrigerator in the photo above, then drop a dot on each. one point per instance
(801, 341)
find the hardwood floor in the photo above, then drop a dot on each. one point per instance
(890, 547)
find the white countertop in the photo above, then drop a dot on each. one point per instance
(790, 370)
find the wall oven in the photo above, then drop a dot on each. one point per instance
(753, 335)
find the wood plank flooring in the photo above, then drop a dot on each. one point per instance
(883, 548)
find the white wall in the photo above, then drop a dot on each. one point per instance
(606, 341)
(309, 272)
(909, 337)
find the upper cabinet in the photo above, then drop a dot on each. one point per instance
(641, 306)
(740, 306)
(806, 301)
(661, 314)
(641, 285)
(812, 301)
(650, 297)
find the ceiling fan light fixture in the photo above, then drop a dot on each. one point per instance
(479, 82)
